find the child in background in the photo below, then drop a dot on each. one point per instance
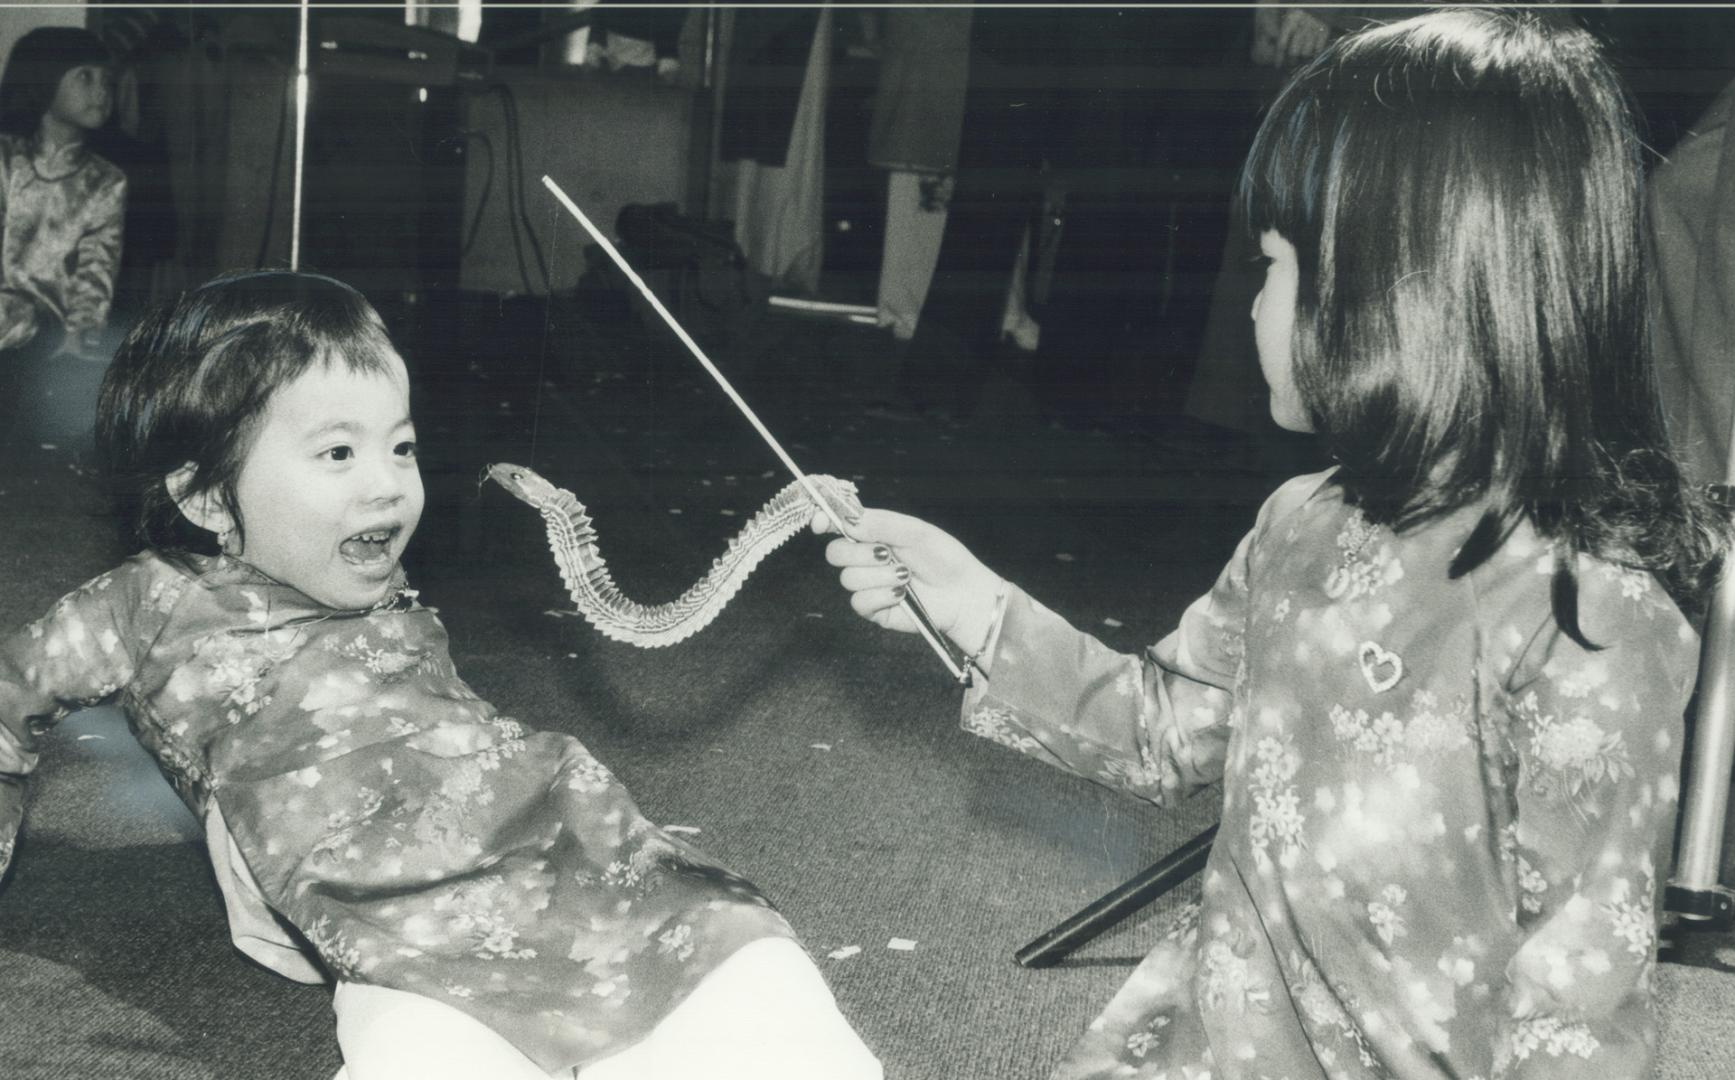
(61, 204)
(488, 899)
(61, 210)
(1443, 682)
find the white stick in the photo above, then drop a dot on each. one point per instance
(917, 615)
(300, 143)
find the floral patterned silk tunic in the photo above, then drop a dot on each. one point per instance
(1444, 821)
(61, 215)
(358, 791)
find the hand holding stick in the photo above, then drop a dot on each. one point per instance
(891, 553)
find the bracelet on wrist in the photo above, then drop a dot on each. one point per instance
(973, 660)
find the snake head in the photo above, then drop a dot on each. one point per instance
(523, 483)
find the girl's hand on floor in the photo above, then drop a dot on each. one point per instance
(893, 552)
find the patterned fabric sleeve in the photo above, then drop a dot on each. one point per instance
(1155, 726)
(1593, 752)
(17, 309)
(90, 292)
(78, 654)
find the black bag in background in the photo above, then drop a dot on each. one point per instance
(694, 267)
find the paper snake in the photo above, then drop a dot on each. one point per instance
(572, 537)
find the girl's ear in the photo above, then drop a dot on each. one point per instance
(204, 508)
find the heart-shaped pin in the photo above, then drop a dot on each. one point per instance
(1380, 667)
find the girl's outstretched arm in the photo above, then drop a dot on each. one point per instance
(79, 654)
(1153, 725)
(1592, 752)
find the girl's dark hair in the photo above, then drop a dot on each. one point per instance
(1463, 193)
(34, 69)
(192, 380)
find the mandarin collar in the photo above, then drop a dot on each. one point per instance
(59, 159)
(225, 569)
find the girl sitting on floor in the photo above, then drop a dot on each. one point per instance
(61, 204)
(1443, 682)
(61, 212)
(488, 898)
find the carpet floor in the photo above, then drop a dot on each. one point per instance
(810, 751)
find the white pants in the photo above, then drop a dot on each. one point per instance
(764, 1014)
(913, 235)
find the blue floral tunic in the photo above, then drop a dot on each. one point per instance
(361, 799)
(1443, 822)
(61, 215)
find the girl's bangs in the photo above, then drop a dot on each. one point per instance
(1281, 180)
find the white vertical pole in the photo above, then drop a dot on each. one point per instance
(1705, 805)
(1695, 892)
(300, 141)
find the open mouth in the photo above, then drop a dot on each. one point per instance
(369, 548)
